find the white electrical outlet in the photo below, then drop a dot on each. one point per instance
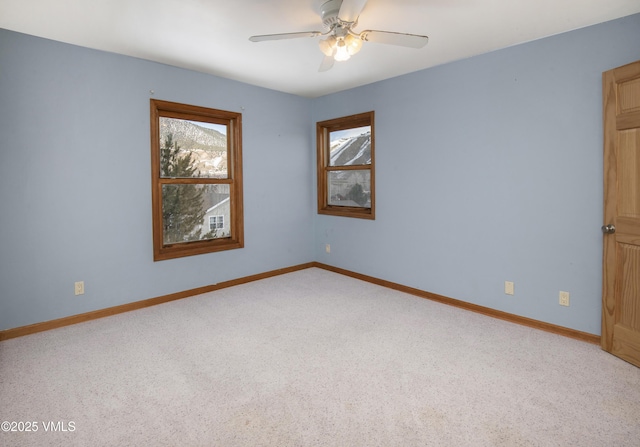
(508, 287)
(79, 288)
(327, 248)
(564, 298)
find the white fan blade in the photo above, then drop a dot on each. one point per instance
(281, 36)
(390, 38)
(326, 64)
(351, 9)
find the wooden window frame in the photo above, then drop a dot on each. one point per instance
(323, 130)
(233, 121)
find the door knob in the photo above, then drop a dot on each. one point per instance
(608, 229)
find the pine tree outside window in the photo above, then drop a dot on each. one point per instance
(196, 161)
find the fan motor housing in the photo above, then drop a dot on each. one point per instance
(329, 12)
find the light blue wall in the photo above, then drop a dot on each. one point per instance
(75, 184)
(489, 169)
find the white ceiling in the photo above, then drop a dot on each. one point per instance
(211, 36)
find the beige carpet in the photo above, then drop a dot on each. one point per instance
(313, 358)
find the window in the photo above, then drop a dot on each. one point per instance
(346, 166)
(196, 158)
(216, 222)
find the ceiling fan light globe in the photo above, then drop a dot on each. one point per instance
(328, 45)
(342, 52)
(354, 44)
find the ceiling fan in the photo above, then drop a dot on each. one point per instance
(339, 17)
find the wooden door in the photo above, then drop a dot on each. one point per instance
(621, 256)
